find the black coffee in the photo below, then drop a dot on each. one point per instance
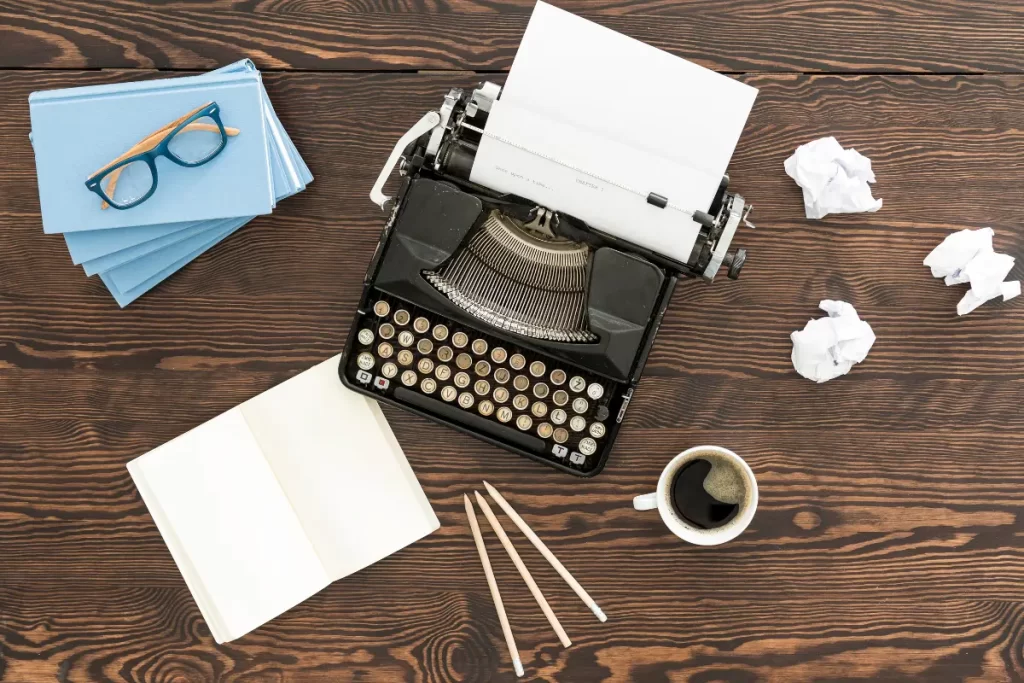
(693, 503)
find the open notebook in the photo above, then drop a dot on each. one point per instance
(268, 503)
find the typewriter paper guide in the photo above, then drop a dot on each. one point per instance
(637, 116)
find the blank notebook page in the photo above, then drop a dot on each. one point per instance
(338, 461)
(229, 525)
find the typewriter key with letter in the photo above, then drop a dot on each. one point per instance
(558, 416)
(389, 370)
(479, 347)
(460, 339)
(504, 414)
(539, 409)
(595, 391)
(440, 332)
(558, 377)
(561, 435)
(428, 385)
(385, 350)
(500, 394)
(498, 355)
(405, 357)
(524, 422)
(517, 361)
(560, 397)
(482, 368)
(540, 390)
(461, 380)
(409, 378)
(401, 317)
(425, 366)
(425, 346)
(486, 408)
(580, 405)
(449, 393)
(382, 308)
(577, 384)
(482, 387)
(545, 430)
(521, 382)
(406, 338)
(466, 400)
(537, 368)
(520, 402)
(464, 361)
(443, 372)
(386, 331)
(501, 375)
(421, 325)
(445, 354)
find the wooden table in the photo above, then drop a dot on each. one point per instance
(888, 543)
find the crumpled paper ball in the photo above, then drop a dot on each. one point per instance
(828, 347)
(967, 256)
(834, 180)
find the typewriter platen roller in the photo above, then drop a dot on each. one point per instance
(523, 326)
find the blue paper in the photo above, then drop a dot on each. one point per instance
(118, 258)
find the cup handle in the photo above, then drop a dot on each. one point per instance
(648, 501)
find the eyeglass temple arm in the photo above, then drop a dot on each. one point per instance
(116, 173)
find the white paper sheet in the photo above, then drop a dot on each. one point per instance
(617, 93)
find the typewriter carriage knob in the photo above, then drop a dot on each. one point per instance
(734, 262)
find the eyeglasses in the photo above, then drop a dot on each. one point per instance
(192, 140)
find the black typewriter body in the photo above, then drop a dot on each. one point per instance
(522, 326)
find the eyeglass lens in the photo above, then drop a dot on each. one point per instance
(196, 142)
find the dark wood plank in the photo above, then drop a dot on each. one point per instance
(731, 35)
(887, 545)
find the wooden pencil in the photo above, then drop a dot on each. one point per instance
(550, 556)
(523, 571)
(493, 585)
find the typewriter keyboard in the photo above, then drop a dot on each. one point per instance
(535, 403)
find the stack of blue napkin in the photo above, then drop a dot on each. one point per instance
(78, 131)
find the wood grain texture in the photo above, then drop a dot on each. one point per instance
(732, 35)
(888, 541)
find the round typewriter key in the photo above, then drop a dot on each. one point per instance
(558, 416)
(461, 380)
(365, 337)
(537, 368)
(440, 332)
(445, 354)
(517, 361)
(500, 394)
(443, 372)
(577, 384)
(577, 423)
(541, 390)
(425, 366)
(425, 346)
(479, 347)
(502, 375)
(386, 331)
(421, 325)
(409, 378)
(460, 339)
(580, 405)
(449, 393)
(499, 355)
(482, 387)
(595, 391)
(524, 422)
(560, 397)
(406, 338)
(428, 385)
(405, 357)
(401, 317)
(521, 382)
(464, 361)
(558, 377)
(504, 414)
(588, 446)
(389, 370)
(597, 429)
(385, 350)
(545, 430)
(520, 402)
(539, 409)
(561, 435)
(482, 368)
(602, 413)
(365, 361)
(466, 400)
(382, 308)
(486, 408)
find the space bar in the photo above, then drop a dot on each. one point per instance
(475, 422)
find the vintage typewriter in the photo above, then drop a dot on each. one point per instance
(517, 324)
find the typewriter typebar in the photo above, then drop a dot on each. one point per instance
(522, 326)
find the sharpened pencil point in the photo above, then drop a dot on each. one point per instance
(519, 667)
(600, 614)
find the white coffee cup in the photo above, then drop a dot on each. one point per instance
(729, 474)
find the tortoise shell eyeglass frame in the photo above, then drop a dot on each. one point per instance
(157, 145)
